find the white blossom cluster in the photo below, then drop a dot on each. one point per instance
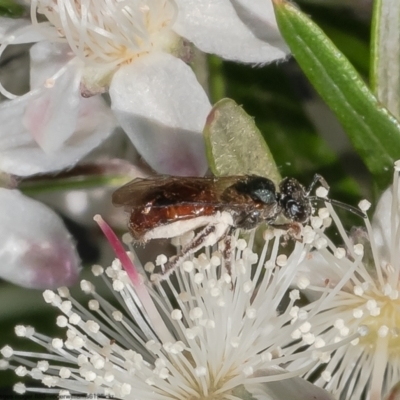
(203, 333)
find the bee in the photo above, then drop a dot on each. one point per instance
(169, 206)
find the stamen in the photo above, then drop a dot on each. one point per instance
(158, 324)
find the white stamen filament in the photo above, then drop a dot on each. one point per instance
(107, 32)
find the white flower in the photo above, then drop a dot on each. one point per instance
(360, 284)
(135, 49)
(216, 339)
(21, 155)
(36, 250)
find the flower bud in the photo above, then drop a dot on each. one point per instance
(36, 250)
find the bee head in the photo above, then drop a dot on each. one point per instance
(294, 200)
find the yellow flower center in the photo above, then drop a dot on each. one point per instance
(384, 325)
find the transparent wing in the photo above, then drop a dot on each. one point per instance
(168, 190)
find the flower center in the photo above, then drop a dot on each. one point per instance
(110, 31)
(382, 317)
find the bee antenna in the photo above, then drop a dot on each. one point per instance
(317, 178)
(342, 205)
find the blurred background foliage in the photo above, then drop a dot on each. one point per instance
(304, 136)
(12, 9)
(302, 133)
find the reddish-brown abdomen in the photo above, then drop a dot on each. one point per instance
(144, 219)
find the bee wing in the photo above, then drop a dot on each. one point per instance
(136, 192)
(162, 191)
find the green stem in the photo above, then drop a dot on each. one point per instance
(64, 184)
(216, 80)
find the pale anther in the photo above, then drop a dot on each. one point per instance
(340, 253)
(62, 321)
(358, 249)
(326, 376)
(364, 205)
(176, 315)
(63, 291)
(93, 305)
(281, 260)
(303, 282)
(57, 343)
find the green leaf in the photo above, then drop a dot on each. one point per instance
(355, 49)
(345, 24)
(9, 8)
(234, 145)
(385, 60)
(374, 132)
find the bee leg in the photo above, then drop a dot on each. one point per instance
(293, 231)
(208, 236)
(227, 252)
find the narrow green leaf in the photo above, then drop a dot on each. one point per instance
(374, 132)
(356, 50)
(346, 26)
(385, 60)
(234, 144)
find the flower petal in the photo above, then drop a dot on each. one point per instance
(51, 117)
(21, 155)
(221, 27)
(293, 389)
(36, 250)
(317, 272)
(382, 222)
(10, 25)
(162, 108)
(259, 17)
(47, 59)
(16, 31)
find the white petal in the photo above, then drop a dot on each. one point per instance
(293, 389)
(36, 250)
(382, 223)
(10, 25)
(394, 393)
(51, 117)
(318, 272)
(162, 107)
(214, 26)
(259, 17)
(46, 59)
(21, 155)
(16, 31)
